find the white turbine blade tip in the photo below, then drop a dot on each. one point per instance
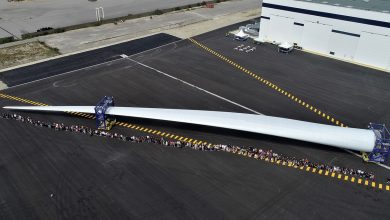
(15, 107)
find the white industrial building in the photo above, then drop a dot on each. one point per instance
(352, 30)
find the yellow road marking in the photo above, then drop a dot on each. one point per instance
(140, 128)
(366, 182)
(272, 85)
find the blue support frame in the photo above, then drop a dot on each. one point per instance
(100, 112)
(381, 151)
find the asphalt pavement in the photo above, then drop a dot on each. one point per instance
(99, 178)
(354, 94)
(81, 60)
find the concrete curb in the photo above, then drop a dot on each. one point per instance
(72, 53)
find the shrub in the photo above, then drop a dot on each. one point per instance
(45, 29)
(158, 12)
(5, 40)
(58, 30)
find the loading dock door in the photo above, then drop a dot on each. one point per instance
(343, 45)
(316, 36)
(374, 49)
(264, 28)
(280, 28)
(296, 33)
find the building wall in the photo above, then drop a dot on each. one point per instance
(345, 33)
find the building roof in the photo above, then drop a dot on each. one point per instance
(370, 5)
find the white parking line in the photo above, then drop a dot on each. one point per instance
(107, 62)
(196, 87)
(123, 56)
(225, 99)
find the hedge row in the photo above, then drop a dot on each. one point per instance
(6, 40)
(115, 20)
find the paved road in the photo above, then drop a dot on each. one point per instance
(98, 178)
(182, 24)
(28, 16)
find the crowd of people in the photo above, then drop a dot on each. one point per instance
(251, 152)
